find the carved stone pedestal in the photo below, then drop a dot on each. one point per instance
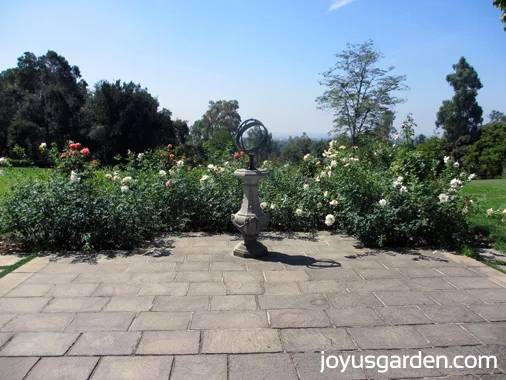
(250, 219)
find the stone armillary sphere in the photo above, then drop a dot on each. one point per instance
(250, 219)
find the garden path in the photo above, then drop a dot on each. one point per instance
(185, 308)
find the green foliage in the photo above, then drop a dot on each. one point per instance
(222, 114)
(487, 156)
(383, 195)
(461, 116)
(40, 99)
(296, 148)
(501, 4)
(44, 99)
(219, 147)
(433, 147)
(119, 117)
(496, 116)
(359, 93)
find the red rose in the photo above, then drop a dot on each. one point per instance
(72, 146)
(85, 151)
(171, 156)
(94, 162)
(242, 153)
(62, 155)
(169, 146)
(78, 145)
(236, 156)
(71, 153)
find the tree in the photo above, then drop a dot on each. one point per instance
(501, 4)
(487, 156)
(40, 101)
(420, 139)
(359, 92)
(461, 116)
(496, 116)
(433, 147)
(385, 126)
(124, 116)
(220, 115)
(319, 146)
(182, 131)
(296, 148)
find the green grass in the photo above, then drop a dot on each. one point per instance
(6, 270)
(490, 193)
(10, 174)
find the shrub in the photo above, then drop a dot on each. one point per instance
(387, 195)
(487, 156)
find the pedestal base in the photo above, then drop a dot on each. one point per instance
(250, 250)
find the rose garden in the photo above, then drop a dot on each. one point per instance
(130, 245)
(153, 289)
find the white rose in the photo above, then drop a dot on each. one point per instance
(74, 177)
(329, 220)
(443, 198)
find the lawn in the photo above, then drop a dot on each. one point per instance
(10, 174)
(490, 193)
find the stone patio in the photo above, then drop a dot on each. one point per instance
(186, 308)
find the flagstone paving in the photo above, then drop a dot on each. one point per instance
(186, 308)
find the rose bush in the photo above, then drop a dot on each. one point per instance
(386, 194)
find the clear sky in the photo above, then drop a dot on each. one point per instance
(267, 54)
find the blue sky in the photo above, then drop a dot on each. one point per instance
(267, 54)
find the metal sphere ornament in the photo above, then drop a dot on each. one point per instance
(245, 126)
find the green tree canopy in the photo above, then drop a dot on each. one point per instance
(359, 92)
(461, 116)
(222, 114)
(487, 156)
(420, 139)
(124, 116)
(496, 116)
(40, 100)
(296, 148)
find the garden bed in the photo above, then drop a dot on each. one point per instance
(383, 196)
